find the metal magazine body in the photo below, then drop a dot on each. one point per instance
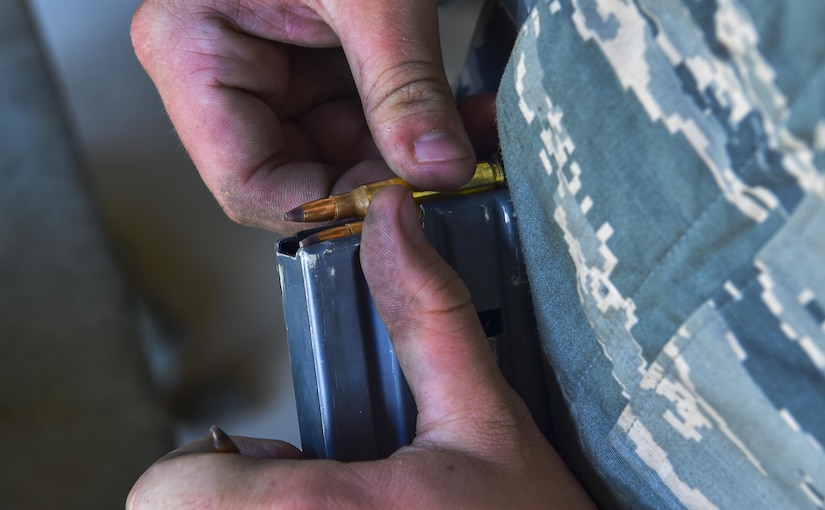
(353, 401)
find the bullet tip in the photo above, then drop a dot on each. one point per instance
(310, 240)
(222, 443)
(296, 214)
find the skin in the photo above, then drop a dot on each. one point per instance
(279, 102)
(476, 445)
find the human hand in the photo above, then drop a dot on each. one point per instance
(274, 113)
(476, 445)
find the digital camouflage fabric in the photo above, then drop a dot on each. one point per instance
(665, 160)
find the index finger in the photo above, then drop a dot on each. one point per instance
(223, 90)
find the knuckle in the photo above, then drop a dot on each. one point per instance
(236, 207)
(442, 292)
(440, 305)
(405, 90)
(148, 17)
(139, 29)
(150, 27)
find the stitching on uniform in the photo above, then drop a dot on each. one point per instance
(679, 242)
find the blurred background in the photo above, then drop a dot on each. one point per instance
(133, 313)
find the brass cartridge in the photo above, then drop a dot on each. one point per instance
(335, 232)
(354, 204)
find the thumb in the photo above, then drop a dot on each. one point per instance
(436, 334)
(394, 53)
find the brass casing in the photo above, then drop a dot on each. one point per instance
(488, 175)
(354, 204)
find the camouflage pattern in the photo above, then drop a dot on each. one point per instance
(666, 165)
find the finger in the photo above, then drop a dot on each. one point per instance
(339, 133)
(221, 88)
(370, 170)
(394, 52)
(187, 478)
(436, 333)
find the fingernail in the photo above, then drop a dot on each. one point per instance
(438, 146)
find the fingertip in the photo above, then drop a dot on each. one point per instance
(395, 55)
(391, 224)
(429, 148)
(393, 249)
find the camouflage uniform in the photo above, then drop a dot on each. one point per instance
(666, 161)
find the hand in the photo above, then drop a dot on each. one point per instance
(279, 102)
(476, 445)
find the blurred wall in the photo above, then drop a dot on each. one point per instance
(221, 349)
(79, 417)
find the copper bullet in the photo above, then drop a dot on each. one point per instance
(222, 443)
(345, 230)
(488, 175)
